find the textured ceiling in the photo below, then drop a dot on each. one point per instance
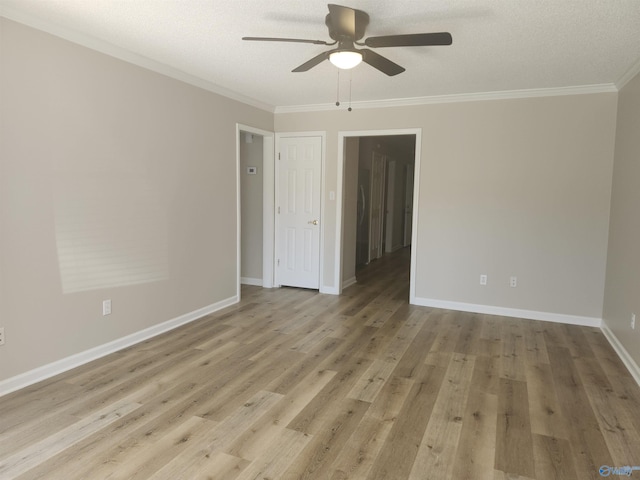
(498, 45)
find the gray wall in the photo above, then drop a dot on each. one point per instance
(507, 187)
(251, 209)
(622, 292)
(131, 166)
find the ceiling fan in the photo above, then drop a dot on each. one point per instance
(346, 27)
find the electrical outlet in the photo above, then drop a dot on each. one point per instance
(106, 307)
(633, 321)
(483, 279)
(513, 282)
(1, 335)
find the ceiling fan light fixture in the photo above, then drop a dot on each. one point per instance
(345, 59)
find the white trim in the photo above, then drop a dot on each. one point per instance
(323, 205)
(509, 312)
(349, 282)
(256, 282)
(455, 98)
(340, 191)
(46, 371)
(268, 202)
(628, 75)
(622, 352)
(268, 209)
(129, 57)
(331, 290)
(238, 213)
(323, 149)
(414, 226)
(339, 253)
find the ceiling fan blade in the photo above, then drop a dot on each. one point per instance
(410, 40)
(308, 65)
(293, 40)
(343, 20)
(381, 63)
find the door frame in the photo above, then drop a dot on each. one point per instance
(408, 241)
(268, 205)
(340, 199)
(323, 148)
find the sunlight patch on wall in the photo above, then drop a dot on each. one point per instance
(110, 232)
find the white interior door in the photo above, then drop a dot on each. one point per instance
(408, 209)
(376, 211)
(298, 234)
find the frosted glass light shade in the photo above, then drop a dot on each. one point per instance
(345, 59)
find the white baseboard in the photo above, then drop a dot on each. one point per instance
(509, 312)
(46, 371)
(349, 282)
(251, 281)
(329, 290)
(628, 361)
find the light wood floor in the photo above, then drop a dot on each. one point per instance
(292, 384)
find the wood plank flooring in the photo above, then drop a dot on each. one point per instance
(291, 384)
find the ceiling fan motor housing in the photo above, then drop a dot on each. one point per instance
(338, 33)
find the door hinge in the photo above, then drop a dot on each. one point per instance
(278, 210)
(278, 155)
(278, 263)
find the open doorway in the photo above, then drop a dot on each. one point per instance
(255, 214)
(378, 195)
(251, 221)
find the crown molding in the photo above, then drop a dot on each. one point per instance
(128, 56)
(149, 64)
(628, 75)
(462, 97)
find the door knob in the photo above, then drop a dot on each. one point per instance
(312, 222)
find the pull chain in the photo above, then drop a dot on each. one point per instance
(338, 90)
(350, 78)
